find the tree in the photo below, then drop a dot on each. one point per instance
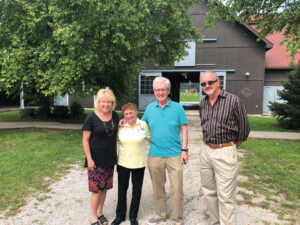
(288, 113)
(79, 46)
(270, 16)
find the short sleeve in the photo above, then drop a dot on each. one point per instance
(87, 125)
(145, 116)
(182, 116)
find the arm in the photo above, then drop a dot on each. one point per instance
(86, 146)
(184, 137)
(242, 122)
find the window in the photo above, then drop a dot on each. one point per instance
(147, 84)
(190, 59)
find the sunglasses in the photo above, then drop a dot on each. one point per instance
(211, 82)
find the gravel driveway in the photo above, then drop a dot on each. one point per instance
(68, 201)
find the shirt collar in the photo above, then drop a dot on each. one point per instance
(137, 122)
(169, 103)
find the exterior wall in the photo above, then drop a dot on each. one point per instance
(273, 76)
(231, 47)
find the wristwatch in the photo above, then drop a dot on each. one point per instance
(185, 149)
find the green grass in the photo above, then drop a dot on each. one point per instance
(14, 116)
(32, 159)
(260, 123)
(184, 97)
(272, 165)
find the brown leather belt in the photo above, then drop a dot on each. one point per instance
(220, 145)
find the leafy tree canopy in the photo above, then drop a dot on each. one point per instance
(79, 46)
(269, 16)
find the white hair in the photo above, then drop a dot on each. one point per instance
(160, 80)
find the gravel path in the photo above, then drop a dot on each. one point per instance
(68, 201)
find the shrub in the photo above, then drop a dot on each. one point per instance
(28, 113)
(76, 109)
(43, 112)
(60, 112)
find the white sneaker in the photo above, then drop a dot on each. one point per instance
(155, 220)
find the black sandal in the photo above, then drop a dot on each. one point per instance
(96, 223)
(102, 219)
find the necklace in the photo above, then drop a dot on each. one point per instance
(107, 127)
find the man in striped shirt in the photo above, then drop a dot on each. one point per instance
(225, 126)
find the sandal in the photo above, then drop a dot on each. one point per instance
(96, 223)
(102, 219)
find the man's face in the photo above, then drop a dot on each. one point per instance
(161, 91)
(209, 83)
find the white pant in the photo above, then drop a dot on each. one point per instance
(218, 168)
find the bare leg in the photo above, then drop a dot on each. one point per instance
(101, 203)
(95, 200)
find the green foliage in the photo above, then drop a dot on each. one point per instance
(288, 113)
(263, 14)
(80, 46)
(28, 113)
(60, 112)
(76, 109)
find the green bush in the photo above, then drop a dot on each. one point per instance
(76, 109)
(60, 112)
(28, 113)
(43, 112)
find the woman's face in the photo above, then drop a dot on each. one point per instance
(105, 105)
(130, 115)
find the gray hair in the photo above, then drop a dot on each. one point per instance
(160, 80)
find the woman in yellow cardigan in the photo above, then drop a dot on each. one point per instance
(132, 160)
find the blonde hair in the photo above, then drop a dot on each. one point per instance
(129, 105)
(105, 93)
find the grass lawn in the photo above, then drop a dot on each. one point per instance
(273, 169)
(14, 116)
(32, 159)
(184, 97)
(259, 123)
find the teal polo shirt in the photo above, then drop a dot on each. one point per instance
(165, 124)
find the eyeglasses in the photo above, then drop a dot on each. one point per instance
(161, 90)
(211, 82)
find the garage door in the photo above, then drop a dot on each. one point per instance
(270, 95)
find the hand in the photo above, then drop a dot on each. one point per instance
(91, 165)
(122, 123)
(184, 157)
(238, 143)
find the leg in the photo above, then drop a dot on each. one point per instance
(95, 200)
(209, 184)
(137, 183)
(157, 171)
(175, 172)
(123, 181)
(225, 164)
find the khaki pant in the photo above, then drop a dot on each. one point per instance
(218, 168)
(157, 168)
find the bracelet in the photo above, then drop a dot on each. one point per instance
(185, 150)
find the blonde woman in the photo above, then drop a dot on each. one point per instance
(100, 146)
(132, 160)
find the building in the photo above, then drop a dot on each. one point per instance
(247, 68)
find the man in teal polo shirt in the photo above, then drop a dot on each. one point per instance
(168, 150)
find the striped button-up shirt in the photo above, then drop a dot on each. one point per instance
(225, 121)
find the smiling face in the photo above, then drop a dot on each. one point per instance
(161, 92)
(210, 83)
(130, 116)
(105, 105)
